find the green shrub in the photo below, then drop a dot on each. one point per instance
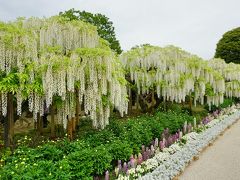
(68, 146)
(100, 138)
(89, 162)
(81, 163)
(50, 152)
(101, 159)
(120, 150)
(94, 153)
(41, 169)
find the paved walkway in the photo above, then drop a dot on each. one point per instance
(221, 161)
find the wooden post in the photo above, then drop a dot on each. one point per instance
(52, 121)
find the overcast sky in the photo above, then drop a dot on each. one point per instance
(194, 25)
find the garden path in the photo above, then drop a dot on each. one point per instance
(221, 161)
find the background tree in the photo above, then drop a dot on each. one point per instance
(104, 25)
(228, 47)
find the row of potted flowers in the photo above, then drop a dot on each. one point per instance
(168, 157)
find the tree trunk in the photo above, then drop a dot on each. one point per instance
(130, 101)
(53, 134)
(165, 105)
(69, 129)
(39, 124)
(153, 100)
(73, 124)
(137, 102)
(77, 107)
(190, 104)
(9, 122)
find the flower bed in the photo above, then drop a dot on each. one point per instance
(93, 154)
(172, 160)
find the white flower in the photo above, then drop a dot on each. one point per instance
(131, 171)
(139, 169)
(122, 177)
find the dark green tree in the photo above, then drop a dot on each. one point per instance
(228, 47)
(104, 25)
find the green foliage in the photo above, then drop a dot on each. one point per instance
(120, 150)
(89, 162)
(101, 138)
(228, 47)
(101, 159)
(9, 83)
(166, 106)
(93, 154)
(81, 163)
(104, 25)
(50, 152)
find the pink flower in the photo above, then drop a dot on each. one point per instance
(107, 175)
(140, 159)
(162, 145)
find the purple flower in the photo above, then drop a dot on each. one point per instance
(166, 132)
(132, 161)
(205, 121)
(170, 141)
(127, 172)
(152, 153)
(129, 164)
(147, 148)
(215, 113)
(156, 143)
(140, 158)
(145, 156)
(185, 127)
(162, 145)
(176, 136)
(163, 136)
(107, 175)
(148, 153)
(153, 142)
(120, 165)
(96, 178)
(125, 167)
(143, 149)
(189, 128)
(180, 135)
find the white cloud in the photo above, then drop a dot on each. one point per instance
(193, 25)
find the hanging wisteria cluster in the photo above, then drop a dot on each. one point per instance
(41, 59)
(62, 58)
(174, 74)
(231, 74)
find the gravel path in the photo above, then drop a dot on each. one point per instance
(221, 161)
